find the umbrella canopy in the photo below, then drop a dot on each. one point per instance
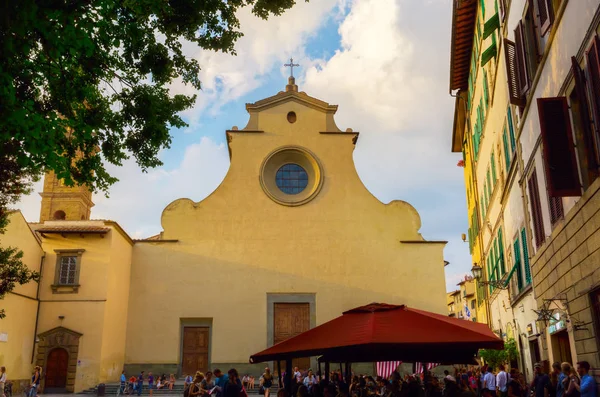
(382, 332)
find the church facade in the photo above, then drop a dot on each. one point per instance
(289, 240)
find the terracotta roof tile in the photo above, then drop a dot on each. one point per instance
(73, 229)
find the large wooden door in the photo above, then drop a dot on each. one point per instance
(195, 350)
(56, 368)
(291, 319)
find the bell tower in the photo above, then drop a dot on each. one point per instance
(61, 202)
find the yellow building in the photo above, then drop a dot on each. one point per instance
(462, 303)
(290, 239)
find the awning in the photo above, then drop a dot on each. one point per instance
(383, 332)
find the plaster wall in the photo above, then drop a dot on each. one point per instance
(21, 306)
(238, 245)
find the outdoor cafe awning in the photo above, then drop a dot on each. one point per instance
(383, 332)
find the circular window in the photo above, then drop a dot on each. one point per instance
(291, 179)
(291, 176)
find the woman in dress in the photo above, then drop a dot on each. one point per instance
(171, 381)
(207, 384)
(266, 381)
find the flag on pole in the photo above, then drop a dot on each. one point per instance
(467, 312)
(386, 368)
(419, 367)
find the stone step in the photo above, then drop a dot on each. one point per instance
(111, 390)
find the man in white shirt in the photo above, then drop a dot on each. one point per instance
(502, 381)
(298, 375)
(489, 382)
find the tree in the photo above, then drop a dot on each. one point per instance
(84, 83)
(494, 358)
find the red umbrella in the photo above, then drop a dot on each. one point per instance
(383, 332)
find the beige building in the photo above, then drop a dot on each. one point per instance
(462, 303)
(290, 239)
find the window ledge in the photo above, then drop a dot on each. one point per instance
(515, 299)
(65, 289)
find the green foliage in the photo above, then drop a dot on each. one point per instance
(494, 358)
(84, 83)
(13, 271)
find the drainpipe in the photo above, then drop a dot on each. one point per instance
(37, 314)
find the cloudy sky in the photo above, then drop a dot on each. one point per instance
(384, 62)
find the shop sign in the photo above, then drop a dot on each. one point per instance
(556, 324)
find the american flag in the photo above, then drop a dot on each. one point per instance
(386, 368)
(419, 367)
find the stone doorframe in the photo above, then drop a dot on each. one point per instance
(273, 298)
(64, 338)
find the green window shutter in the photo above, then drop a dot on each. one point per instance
(512, 131)
(490, 52)
(491, 25)
(507, 154)
(482, 2)
(482, 207)
(517, 250)
(501, 251)
(496, 258)
(470, 97)
(486, 94)
(493, 168)
(526, 257)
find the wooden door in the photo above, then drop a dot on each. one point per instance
(562, 350)
(195, 350)
(291, 319)
(56, 368)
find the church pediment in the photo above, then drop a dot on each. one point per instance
(291, 94)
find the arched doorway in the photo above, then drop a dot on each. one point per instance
(57, 365)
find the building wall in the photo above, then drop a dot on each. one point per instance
(344, 246)
(98, 309)
(18, 327)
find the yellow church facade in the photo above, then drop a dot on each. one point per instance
(289, 240)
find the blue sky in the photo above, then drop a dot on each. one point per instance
(384, 62)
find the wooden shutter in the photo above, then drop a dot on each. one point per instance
(507, 153)
(536, 209)
(502, 9)
(559, 153)
(556, 209)
(546, 13)
(517, 250)
(590, 147)
(501, 252)
(510, 56)
(525, 257)
(521, 60)
(593, 64)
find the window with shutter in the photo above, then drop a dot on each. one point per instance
(593, 65)
(486, 95)
(482, 4)
(521, 61)
(517, 253)
(511, 129)
(556, 209)
(525, 257)
(501, 253)
(587, 146)
(559, 153)
(493, 161)
(536, 209)
(507, 153)
(502, 9)
(546, 15)
(512, 71)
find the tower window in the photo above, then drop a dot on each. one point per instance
(60, 215)
(291, 179)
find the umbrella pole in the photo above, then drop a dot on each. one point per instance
(320, 373)
(279, 373)
(327, 371)
(288, 375)
(341, 372)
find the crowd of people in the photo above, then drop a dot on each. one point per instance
(563, 381)
(135, 384)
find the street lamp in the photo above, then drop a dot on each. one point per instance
(478, 273)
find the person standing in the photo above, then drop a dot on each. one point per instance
(502, 381)
(587, 386)
(35, 381)
(2, 380)
(150, 382)
(266, 381)
(489, 382)
(140, 383)
(233, 387)
(122, 383)
(541, 382)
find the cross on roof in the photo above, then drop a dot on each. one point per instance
(291, 66)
